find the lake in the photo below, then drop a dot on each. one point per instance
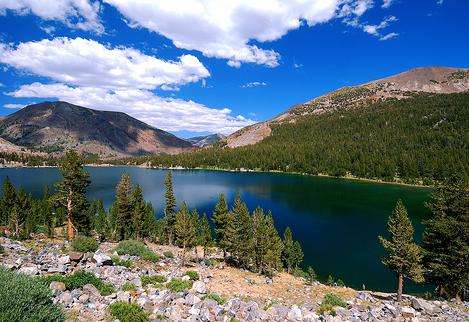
(336, 220)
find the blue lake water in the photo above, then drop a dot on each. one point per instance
(337, 221)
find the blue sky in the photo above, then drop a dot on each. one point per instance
(198, 66)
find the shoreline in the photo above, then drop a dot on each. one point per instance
(347, 177)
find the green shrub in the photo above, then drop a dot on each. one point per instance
(85, 244)
(79, 279)
(334, 299)
(136, 248)
(193, 275)
(128, 312)
(168, 254)
(23, 298)
(310, 275)
(215, 297)
(154, 279)
(330, 301)
(121, 262)
(130, 287)
(2, 250)
(178, 285)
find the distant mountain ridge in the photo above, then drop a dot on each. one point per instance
(54, 127)
(440, 80)
(206, 140)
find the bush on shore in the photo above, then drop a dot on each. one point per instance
(79, 279)
(85, 244)
(136, 248)
(128, 312)
(23, 298)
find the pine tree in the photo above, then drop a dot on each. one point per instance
(101, 222)
(242, 245)
(185, 230)
(71, 192)
(288, 255)
(170, 210)
(446, 239)
(123, 208)
(19, 214)
(8, 201)
(268, 245)
(297, 254)
(138, 212)
(221, 218)
(204, 234)
(404, 256)
(149, 227)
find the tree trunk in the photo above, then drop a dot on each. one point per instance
(400, 280)
(70, 229)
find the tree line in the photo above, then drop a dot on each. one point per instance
(422, 139)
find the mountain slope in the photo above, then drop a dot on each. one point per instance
(437, 80)
(206, 140)
(56, 126)
(419, 139)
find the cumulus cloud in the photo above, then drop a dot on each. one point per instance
(375, 30)
(80, 14)
(254, 84)
(387, 3)
(13, 106)
(227, 29)
(166, 113)
(85, 62)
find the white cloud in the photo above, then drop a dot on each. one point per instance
(85, 62)
(388, 36)
(387, 3)
(80, 14)
(227, 29)
(254, 84)
(13, 106)
(375, 30)
(48, 30)
(439, 1)
(119, 79)
(166, 113)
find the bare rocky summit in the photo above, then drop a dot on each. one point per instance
(218, 293)
(438, 80)
(54, 127)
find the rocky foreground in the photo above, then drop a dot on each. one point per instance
(218, 293)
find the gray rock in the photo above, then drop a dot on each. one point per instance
(422, 305)
(57, 286)
(295, 314)
(63, 260)
(83, 298)
(91, 290)
(65, 298)
(391, 309)
(408, 312)
(192, 299)
(199, 287)
(123, 296)
(75, 256)
(29, 269)
(101, 259)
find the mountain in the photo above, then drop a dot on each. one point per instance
(207, 140)
(439, 80)
(56, 126)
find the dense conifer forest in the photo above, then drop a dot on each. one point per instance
(417, 140)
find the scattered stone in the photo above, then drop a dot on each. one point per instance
(57, 286)
(75, 256)
(422, 305)
(29, 269)
(101, 259)
(199, 287)
(295, 314)
(407, 312)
